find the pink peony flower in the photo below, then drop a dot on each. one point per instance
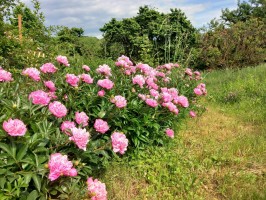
(81, 118)
(86, 78)
(151, 84)
(80, 137)
(72, 172)
(50, 85)
(48, 68)
(139, 79)
(189, 71)
(5, 76)
(192, 114)
(160, 74)
(14, 127)
(169, 132)
(166, 97)
(123, 61)
(101, 126)
(33, 73)
(39, 97)
(172, 107)
(72, 80)
(66, 126)
(62, 60)
(164, 89)
(146, 69)
(85, 67)
(168, 66)
(119, 101)
(201, 85)
(119, 142)
(173, 92)
(57, 109)
(154, 93)
(198, 91)
(97, 189)
(106, 83)
(104, 70)
(197, 73)
(183, 101)
(151, 102)
(101, 93)
(142, 96)
(127, 72)
(59, 165)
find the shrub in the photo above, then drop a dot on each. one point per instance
(241, 44)
(58, 130)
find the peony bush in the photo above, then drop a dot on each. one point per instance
(61, 124)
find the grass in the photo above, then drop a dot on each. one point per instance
(240, 92)
(220, 155)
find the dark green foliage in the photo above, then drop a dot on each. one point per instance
(238, 40)
(66, 34)
(33, 21)
(240, 45)
(245, 11)
(72, 42)
(5, 8)
(35, 46)
(151, 36)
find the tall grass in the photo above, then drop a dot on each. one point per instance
(240, 92)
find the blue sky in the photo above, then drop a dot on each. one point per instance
(93, 14)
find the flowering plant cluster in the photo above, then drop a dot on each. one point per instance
(60, 122)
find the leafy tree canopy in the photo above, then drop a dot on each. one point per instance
(152, 34)
(245, 11)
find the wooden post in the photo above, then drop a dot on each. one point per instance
(20, 27)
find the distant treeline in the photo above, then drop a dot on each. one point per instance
(237, 39)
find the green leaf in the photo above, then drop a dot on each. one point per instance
(22, 152)
(37, 181)
(10, 162)
(2, 117)
(33, 195)
(42, 197)
(13, 149)
(28, 160)
(27, 178)
(2, 171)
(53, 192)
(64, 196)
(40, 149)
(2, 182)
(18, 102)
(6, 148)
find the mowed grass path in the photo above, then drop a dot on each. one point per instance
(231, 156)
(219, 155)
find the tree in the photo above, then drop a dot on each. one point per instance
(245, 11)
(33, 21)
(66, 34)
(5, 7)
(36, 37)
(151, 35)
(77, 31)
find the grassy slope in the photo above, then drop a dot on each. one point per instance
(220, 155)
